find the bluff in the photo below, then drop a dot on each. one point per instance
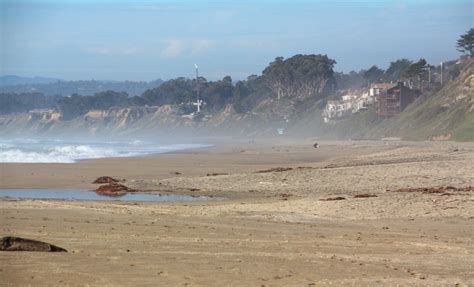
(443, 114)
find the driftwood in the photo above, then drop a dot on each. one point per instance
(275, 169)
(333, 198)
(364, 195)
(11, 243)
(441, 189)
(216, 174)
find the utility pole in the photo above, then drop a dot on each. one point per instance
(400, 100)
(429, 74)
(198, 102)
(441, 73)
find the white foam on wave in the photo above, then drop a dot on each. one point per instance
(6, 145)
(12, 153)
(64, 154)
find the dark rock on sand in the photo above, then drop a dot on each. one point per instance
(113, 189)
(11, 243)
(105, 179)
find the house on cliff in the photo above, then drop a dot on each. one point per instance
(351, 103)
(376, 88)
(394, 99)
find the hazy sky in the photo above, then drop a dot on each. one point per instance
(144, 40)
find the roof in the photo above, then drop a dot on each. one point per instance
(380, 85)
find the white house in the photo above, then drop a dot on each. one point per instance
(351, 103)
(377, 88)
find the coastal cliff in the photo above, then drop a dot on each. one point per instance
(446, 113)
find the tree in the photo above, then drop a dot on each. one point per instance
(73, 106)
(465, 43)
(218, 93)
(20, 103)
(397, 69)
(247, 94)
(77, 105)
(352, 80)
(374, 74)
(277, 77)
(415, 72)
(173, 92)
(416, 69)
(300, 76)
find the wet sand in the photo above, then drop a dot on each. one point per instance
(273, 228)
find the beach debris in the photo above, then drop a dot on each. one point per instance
(217, 173)
(332, 165)
(364, 195)
(444, 190)
(176, 172)
(316, 145)
(12, 243)
(275, 169)
(194, 189)
(333, 198)
(113, 189)
(285, 196)
(105, 179)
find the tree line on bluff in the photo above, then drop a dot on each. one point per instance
(298, 78)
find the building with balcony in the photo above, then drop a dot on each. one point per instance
(395, 99)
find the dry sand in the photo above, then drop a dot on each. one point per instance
(272, 229)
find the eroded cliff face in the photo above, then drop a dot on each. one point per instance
(129, 121)
(447, 114)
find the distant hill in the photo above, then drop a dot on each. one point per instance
(52, 87)
(11, 80)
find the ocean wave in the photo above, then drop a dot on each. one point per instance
(6, 145)
(16, 155)
(137, 142)
(62, 154)
(33, 153)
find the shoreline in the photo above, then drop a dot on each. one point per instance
(24, 180)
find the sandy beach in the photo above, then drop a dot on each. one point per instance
(270, 224)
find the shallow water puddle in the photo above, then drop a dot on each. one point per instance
(83, 194)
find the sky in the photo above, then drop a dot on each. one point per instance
(147, 40)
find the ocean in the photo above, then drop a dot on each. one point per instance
(26, 150)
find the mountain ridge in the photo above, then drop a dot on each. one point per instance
(53, 87)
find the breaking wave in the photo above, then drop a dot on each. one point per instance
(62, 152)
